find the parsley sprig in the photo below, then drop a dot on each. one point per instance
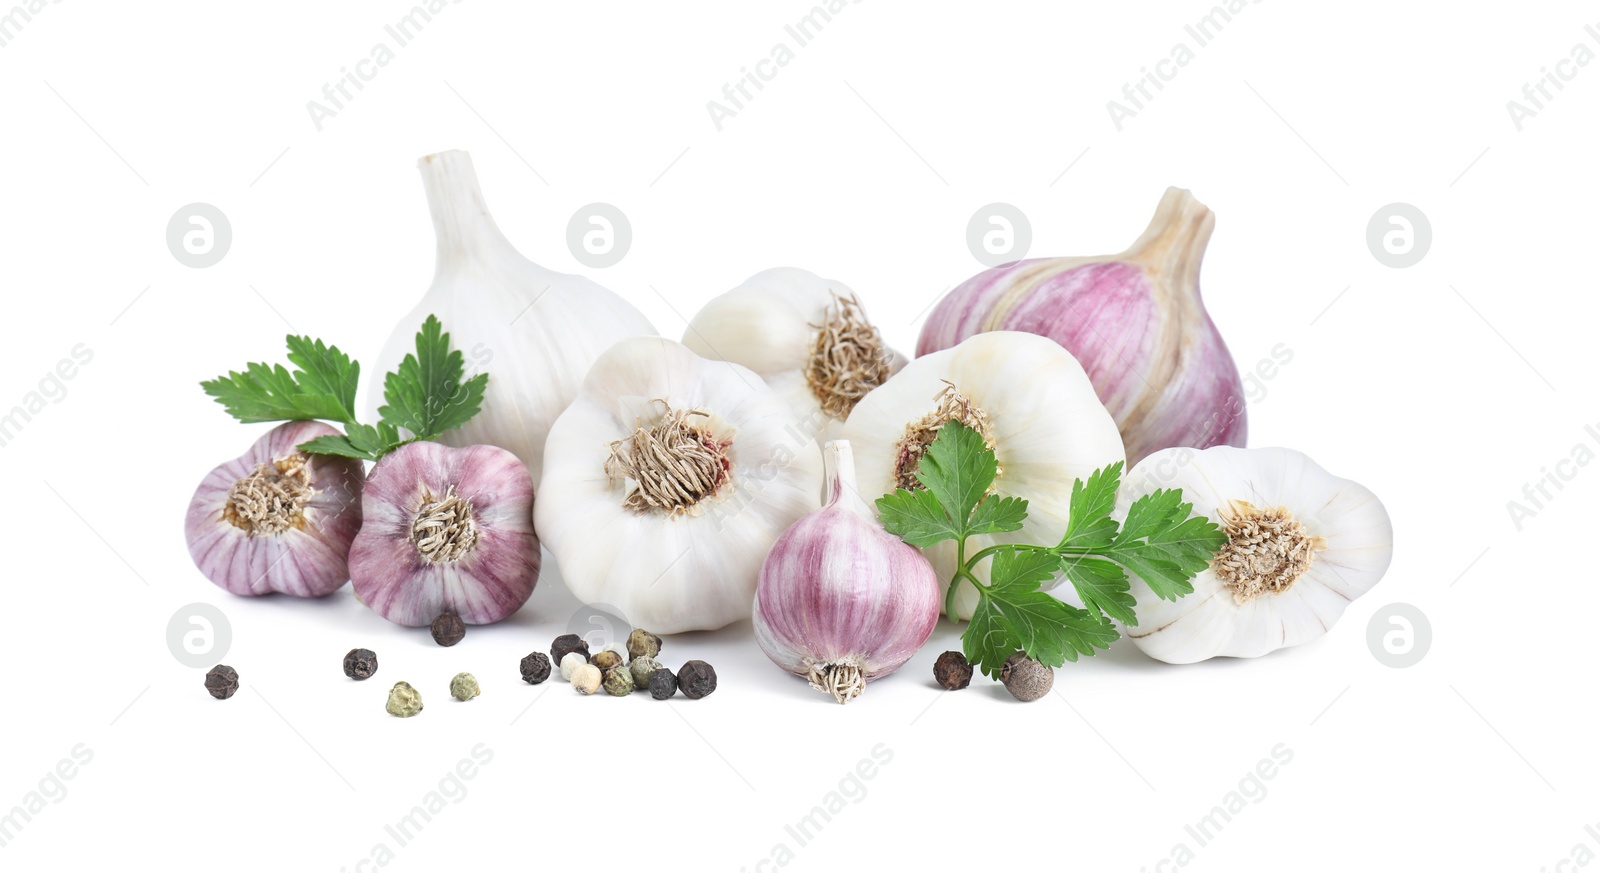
(1160, 540)
(423, 398)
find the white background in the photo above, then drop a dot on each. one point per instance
(1445, 387)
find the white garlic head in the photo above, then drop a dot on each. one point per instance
(807, 336)
(1302, 544)
(1031, 402)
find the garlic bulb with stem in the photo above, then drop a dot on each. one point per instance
(1302, 544)
(841, 602)
(446, 530)
(667, 481)
(1031, 402)
(807, 336)
(541, 329)
(1135, 322)
(276, 518)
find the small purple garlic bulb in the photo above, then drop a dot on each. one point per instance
(276, 518)
(446, 530)
(841, 602)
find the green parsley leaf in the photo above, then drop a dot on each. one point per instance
(358, 441)
(1090, 526)
(426, 395)
(1164, 544)
(916, 517)
(1102, 586)
(998, 514)
(958, 469)
(322, 386)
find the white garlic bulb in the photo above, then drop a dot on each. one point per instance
(1302, 543)
(537, 331)
(1032, 403)
(667, 481)
(807, 336)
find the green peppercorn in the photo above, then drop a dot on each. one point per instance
(464, 686)
(605, 659)
(643, 644)
(618, 681)
(404, 701)
(641, 668)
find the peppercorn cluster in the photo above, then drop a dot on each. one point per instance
(633, 666)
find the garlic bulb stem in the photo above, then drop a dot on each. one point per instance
(463, 227)
(1174, 243)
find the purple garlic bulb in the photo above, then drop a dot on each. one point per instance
(1133, 320)
(842, 602)
(446, 530)
(276, 518)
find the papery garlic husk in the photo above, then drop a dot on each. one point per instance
(1303, 544)
(807, 336)
(667, 481)
(1035, 408)
(277, 519)
(1135, 322)
(536, 330)
(842, 602)
(446, 530)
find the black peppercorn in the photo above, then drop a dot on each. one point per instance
(568, 643)
(535, 668)
(222, 681)
(697, 679)
(448, 629)
(663, 684)
(360, 664)
(952, 671)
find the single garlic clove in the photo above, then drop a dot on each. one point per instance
(1037, 409)
(841, 602)
(1135, 321)
(673, 540)
(446, 529)
(807, 336)
(277, 519)
(1276, 600)
(538, 330)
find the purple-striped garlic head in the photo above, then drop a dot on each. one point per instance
(1135, 322)
(840, 601)
(446, 530)
(276, 519)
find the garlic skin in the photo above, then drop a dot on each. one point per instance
(841, 602)
(805, 335)
(277, 519)
(673, 552)
(1135, 321)
(446, 529)
(1339, 525)
(541, 330)
(1032, 402)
